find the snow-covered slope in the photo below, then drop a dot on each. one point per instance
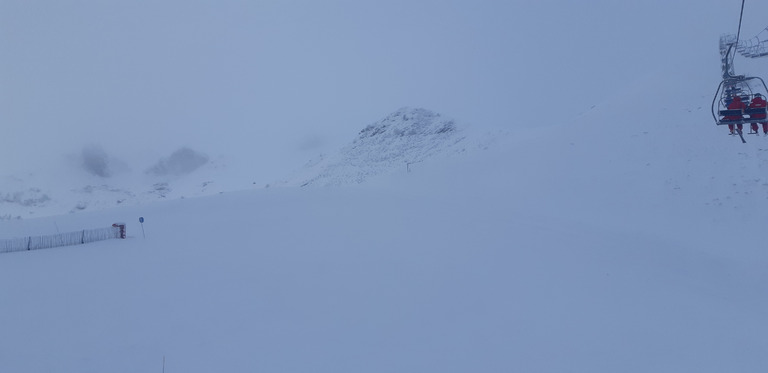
(405, 137)
(587, 247)
(626, 239)
(93, 179)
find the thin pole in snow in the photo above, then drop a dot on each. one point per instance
(141, 220)
(408, 165)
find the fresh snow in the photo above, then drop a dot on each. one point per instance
(405, 137)
(590, 246)
(628, 238)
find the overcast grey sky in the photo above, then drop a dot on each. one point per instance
(272, 79)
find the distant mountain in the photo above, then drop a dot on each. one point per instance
(407, 136)
(94, 179)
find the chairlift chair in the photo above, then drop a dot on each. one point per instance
(746, 88)
(732, 85)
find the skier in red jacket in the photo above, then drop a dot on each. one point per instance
(759, 103)
(736, 104)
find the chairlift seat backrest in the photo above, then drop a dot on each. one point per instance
(755, 110)
(731, 113)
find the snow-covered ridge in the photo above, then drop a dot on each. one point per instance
(95, 180)
(407, 136)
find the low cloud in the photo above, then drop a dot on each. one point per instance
(96, 161)
(181, 162)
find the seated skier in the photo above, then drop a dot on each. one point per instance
(735, 104)
(759, 103)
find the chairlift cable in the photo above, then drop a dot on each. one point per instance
(738, 34)
(738, 85)
(741, 16)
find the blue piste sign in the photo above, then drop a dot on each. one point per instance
(141, 219)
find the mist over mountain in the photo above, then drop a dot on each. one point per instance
(627, 238)
(552, 196)
(395, 143)
(180, 162)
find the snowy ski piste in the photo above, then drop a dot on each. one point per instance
(636, 254)
(625, 238)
